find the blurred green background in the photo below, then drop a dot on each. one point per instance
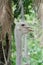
(33, 40)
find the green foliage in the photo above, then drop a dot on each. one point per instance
(34, 50)
(27, 7)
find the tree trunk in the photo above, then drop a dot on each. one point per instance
(5, 23)
(40, 15)
(39, 5)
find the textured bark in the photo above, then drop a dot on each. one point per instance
(5, 23)
(5, 18)
(39, 4)
(41, 20)
(1, 53)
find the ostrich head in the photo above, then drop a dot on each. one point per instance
(23, 27)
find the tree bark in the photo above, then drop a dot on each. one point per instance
(39, 5)
(41, 20)
(5, 23)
